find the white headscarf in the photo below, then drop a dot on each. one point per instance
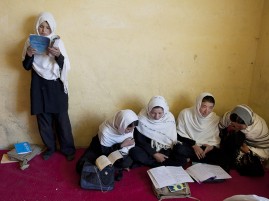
(112, 131)
(162, 132)
(257, 135)
(191, 124)
(45, 65)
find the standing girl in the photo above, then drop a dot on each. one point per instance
(49, 89)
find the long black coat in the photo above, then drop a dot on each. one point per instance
(47, 96)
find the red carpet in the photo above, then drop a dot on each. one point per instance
(56, 180)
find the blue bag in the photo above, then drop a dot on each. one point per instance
(94, 179)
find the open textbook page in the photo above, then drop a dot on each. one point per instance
(168, 175)
(103, 161)
(202, 172)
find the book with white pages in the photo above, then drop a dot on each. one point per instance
(168, 175)
(202, 172)
(103, 161)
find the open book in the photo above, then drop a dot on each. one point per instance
(103, 161)
(168, 175)
(202, 172)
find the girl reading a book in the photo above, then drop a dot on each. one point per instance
(49, 89)
(244, 134)
(156, 136)
(116, 133)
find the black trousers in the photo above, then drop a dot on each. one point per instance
(215, 157)
(140, 156)
(56, 125)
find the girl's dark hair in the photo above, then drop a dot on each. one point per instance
(209, 99)
(157, 107)
(235, 118)
(135, 123)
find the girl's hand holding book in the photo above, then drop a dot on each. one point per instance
(55, 51)
(30, 51)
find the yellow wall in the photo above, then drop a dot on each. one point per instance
(260, 85)
(123, 52)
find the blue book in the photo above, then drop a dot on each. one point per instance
(39, 43)
(23, 148)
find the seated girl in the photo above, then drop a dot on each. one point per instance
(115, 133)
(197, 129)
(155, 136)
(243, 131)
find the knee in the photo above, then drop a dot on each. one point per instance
(179, 148)
(135, 152)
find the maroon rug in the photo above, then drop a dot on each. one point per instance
(56, 180)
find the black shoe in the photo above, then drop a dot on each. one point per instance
(46, 155)
(70, 157)
(119, 175)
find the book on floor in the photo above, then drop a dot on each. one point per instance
(23, 148)
(6, 159)
(39, 43)
(103, 161)
(168, 176)
(202, 172)
(170, 182)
